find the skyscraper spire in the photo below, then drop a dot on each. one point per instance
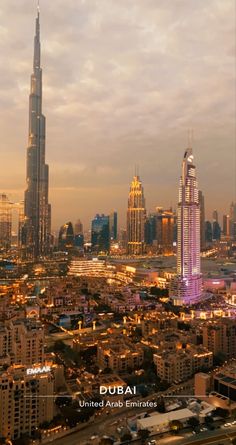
(37, 208)
(37, 48)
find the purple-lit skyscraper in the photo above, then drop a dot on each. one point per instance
(187, 288)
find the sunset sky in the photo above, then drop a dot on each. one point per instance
(123, 80)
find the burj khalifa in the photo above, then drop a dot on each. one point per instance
(37, 208)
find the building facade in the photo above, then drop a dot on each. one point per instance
(100, 235)
(136, 215)
(5, 222)
(23, 406)
(181, 364)
(22, 342)
(66, 238)
(202, 220)
(119, 355)
(220, 337)
(165, 230)
(113, 229)
(187, 288)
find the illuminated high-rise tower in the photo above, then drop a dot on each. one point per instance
(5, 222)
(188, 285)
(37, 208)
(136, 215)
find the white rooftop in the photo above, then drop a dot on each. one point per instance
(163, 419)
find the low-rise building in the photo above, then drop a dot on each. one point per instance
(161, 422)
(181, 364)
(119, 355)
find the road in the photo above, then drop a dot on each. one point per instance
(216, 438)
(82, 437)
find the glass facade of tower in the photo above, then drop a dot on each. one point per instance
(113, 226)
(37, 208)
(188, 286)
(100, 238)
(136, 215)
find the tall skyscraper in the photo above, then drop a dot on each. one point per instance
(215, 216)
(66, 237)
(136, 215)
(208, 232)
(37, 208)
(232, 213)
(150, 229)
(113, 226)
(5, 222)
(100, 234)
(216, 231)
(165, 230)
(202, 220)
(79, 234)
(79, 230)
(187, 288)
(226, 226)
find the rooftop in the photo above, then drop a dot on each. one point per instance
(162, 419)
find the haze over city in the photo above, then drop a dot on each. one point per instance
(122, 83)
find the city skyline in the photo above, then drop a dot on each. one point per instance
(155, 133)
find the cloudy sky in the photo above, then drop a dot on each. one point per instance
(123, 82)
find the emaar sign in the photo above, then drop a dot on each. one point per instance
(38, 370)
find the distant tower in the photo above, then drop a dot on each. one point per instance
(187, 288)
(226, 226)
(79, 234)
(202, 220)
(100, 234)
(215, 215)
(66, 237)
(232, 214)
(79, 227)
(208, 232)
(136, 215)
(113, 226)
(37, 208)
(5, 222)
(165, 230)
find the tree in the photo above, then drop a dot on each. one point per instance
(126, 437)
(161, 405)
(219, 359)
(106, 441)
(23, 440)
(193, 422)
(221, 412)
(144, 435)
(59, 346)
(107, 371)
(176, 426)
(209, 420)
